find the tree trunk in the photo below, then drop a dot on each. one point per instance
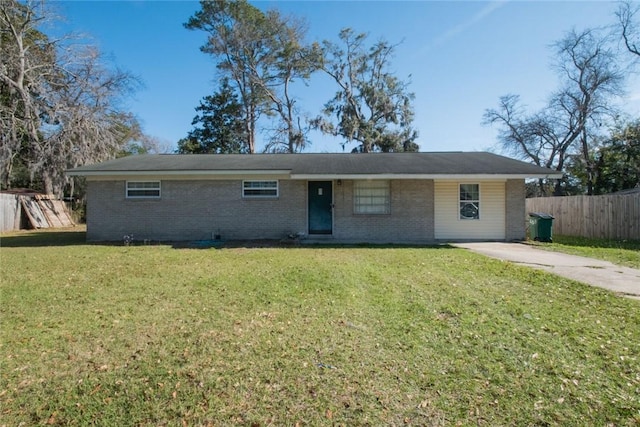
(587, 160)
(557, 191)
(251, 130)
(47, 181)
(541, 188)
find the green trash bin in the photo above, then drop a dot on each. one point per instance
(540, 227)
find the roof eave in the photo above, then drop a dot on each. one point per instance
(74, 172)
(303, 176)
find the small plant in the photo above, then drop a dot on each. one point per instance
(294, 237)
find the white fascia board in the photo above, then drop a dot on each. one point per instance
(443, 177)
(178, 172)
(490, 177)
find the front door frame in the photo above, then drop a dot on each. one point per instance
(328, 231)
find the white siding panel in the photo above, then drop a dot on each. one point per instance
(448, 224)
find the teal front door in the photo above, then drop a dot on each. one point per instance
(320, 207)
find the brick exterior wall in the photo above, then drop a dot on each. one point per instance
(411, 218)
(515, 218)
(197, 209)
(194, 210)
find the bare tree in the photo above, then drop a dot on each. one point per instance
(60, 103)
(531, 137)
(26, 52)
(88, 127)
(626, 15)
(590, 77)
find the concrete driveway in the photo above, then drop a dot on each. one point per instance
(623, 280)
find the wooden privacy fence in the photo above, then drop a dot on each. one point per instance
(610, 216)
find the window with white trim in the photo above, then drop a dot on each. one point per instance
(371, 197)
(256, 189)
(143, 189)
(469, 201)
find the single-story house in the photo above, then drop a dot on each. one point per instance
(373, 197)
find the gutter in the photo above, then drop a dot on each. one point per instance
(439, 177)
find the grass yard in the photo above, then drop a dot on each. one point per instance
(308, 336)
(621, 252)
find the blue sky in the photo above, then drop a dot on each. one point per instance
(461, 56)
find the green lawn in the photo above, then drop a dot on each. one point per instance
(155, 335)
(621, 252)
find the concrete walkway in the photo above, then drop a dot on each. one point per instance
(623, 280)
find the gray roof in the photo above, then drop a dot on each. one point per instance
(320, 164)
